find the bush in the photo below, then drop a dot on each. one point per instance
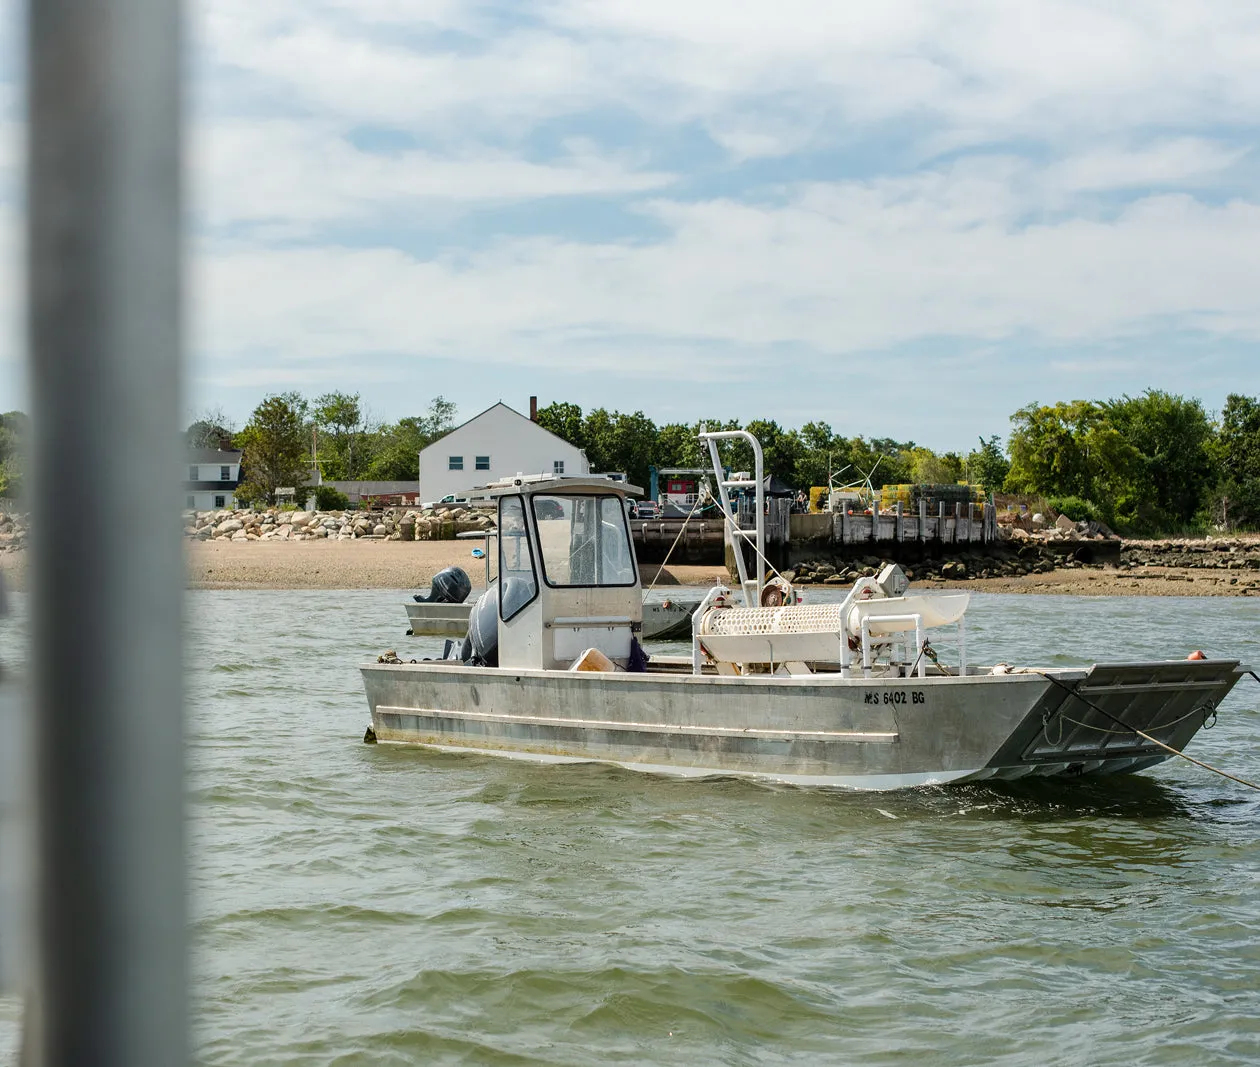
(329, 499)
(1075, 508)
(248, 494)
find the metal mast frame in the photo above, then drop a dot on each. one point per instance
(751, 587)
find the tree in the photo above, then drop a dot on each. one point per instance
(678, 446)
(565, 421)
(881, 460)
(1173, 471)
(438, 421)
(927, 468)
(212, 429)
(339, 419)
(780, 449)
(823, 454)
(1238, 459)
(620, 442)
(396, 448)
(1071, 449)
(274, 443)
(988, 465)
(396, 456)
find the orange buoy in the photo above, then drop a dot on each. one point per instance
(1198, 653)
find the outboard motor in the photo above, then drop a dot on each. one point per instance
(481, 646)
(449, 586)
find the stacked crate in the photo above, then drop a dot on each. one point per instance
(909, 495)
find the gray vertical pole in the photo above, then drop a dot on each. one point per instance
(103, 188)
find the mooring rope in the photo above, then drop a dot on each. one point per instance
(1145, 736)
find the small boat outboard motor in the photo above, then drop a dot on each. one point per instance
(450, 586)
(481, 646)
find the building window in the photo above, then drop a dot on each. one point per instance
(192, 473)
(225, 474)
(218, 501)
(192, 503)
(483, 463)
(455, 463)
(557, 467)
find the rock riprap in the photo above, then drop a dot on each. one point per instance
(14, 531)
(392, 524)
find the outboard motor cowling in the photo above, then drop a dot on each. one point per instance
(449, 586)
(481, 646)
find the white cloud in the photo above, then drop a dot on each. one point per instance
(836, 272)
(1176, 161)
(1053, 169)
(306, 174)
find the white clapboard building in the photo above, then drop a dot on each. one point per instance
(498, 443)
(213, 476)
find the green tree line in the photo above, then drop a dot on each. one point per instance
(1146, 464)
(288, 435)
(1151, 463)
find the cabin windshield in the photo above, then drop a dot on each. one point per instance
(584, 540)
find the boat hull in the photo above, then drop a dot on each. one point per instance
(816, 730)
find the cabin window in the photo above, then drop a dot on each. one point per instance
(225, 474)
(483, 463)
(219, 501)
(584, 541)
(557, 467)
(455, 463)
(192, 473)
(518, 585)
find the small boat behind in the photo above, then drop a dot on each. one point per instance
(666, 620)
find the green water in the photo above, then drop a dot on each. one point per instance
(361, 904)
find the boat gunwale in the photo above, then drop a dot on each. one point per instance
(794, 681)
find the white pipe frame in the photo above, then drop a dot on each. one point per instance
(915, 618)
(752, 597)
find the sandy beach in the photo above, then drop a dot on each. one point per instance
(357, 564)
(410, 565)
(371, 564)
(402, 565)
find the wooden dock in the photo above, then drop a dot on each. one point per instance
(793, 536)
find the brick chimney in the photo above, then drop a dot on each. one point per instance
(533, 409)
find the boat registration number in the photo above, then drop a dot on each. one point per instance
(896, 696)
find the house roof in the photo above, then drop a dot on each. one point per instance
(212, 455)
(500, 404)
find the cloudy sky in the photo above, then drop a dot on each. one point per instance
(904, 218)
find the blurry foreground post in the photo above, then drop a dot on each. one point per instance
(103, 188)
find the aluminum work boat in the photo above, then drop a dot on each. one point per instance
(855, 694)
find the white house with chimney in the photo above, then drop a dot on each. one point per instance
(498, 443)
